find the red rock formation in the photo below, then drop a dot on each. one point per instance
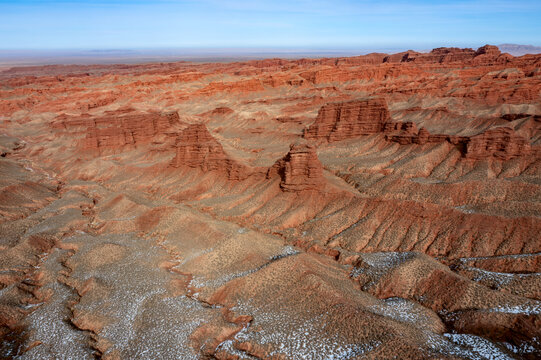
(347, 120)
(196, 148)
(406, 127)
(402, 132)
(438, 55)
(368, 59)
(257, 257)
(111, 134)
(400, 57)
(488, 50)
(445, 55)
(300, 169)
(219, 111)
(117, 131)
(513, 117)
(291, 120)
(243, 86)
(328, 75)
(283, 79)
(341, 74)
(407, 133)
(500, 143)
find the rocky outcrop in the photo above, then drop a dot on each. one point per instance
(340, 121)
(299, 170)
(117, 131)
(347, 120)
(243, 86)
(291, 120)
(219, 111)
(406, 133)
(111, 134)
(490, 55)
(438, 55)
(488, 50)
(197, 148)
(284, 79)
(445, 55)
(499, 143)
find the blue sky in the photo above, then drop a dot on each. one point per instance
(420, 24)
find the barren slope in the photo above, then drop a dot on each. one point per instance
(381, 206)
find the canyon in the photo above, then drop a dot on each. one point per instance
(370, 207)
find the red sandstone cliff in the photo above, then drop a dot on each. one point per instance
(300, 169)
(347, 120)
(445, 55)
(117, 131)
(197, 148)
(500, 143)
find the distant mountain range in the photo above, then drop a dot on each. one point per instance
(518, 50)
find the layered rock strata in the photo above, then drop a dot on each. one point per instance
(445, 55)
(299, 170)
(352, 119)
(197, 148)
(347, 120)
(117, 131)
(500, 143)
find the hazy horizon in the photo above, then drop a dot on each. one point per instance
(110, 56)
(47, 32)
(60, 25)
(27, 57)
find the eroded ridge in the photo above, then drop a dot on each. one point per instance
(273, 209)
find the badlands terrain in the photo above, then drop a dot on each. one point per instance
(371, 207)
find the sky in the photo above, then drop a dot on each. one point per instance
(322, 24)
